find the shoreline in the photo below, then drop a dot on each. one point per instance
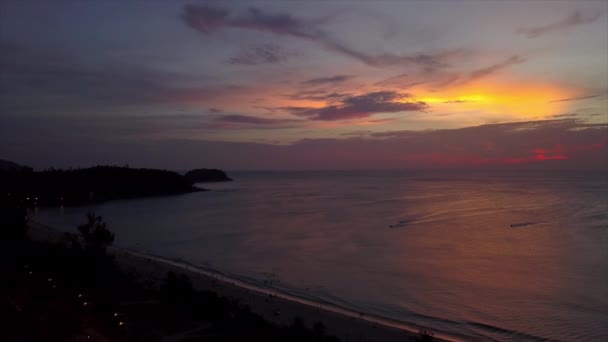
(275, 306)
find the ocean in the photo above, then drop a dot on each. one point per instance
(497, 256)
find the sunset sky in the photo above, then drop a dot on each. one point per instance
(304, 85)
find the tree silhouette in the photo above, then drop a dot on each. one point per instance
(95, 234)
(318, 330)
(12, 220)
(425, 336)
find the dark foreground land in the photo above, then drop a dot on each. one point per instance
(67, 287)
(72, 290)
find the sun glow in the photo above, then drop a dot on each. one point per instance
(525, 100)
(457, 99)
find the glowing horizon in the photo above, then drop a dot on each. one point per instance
(266, 73)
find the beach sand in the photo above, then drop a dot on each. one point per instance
(275, 307)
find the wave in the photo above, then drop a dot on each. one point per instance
(462, 213)
(506, 334)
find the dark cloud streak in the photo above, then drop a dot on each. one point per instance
(261, 54)
(575, 18)
(575, 98)
(318, 95)
(254, 120)
(327, 80)
(483, 72)
(207, 19)
(360, 106)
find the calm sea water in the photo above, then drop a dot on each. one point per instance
(430, 248)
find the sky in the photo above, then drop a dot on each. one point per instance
(305, 85)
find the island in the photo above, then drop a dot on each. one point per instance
(207, 175)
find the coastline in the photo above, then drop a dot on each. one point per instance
(277, 307)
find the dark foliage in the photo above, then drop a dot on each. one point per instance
(55, 290)
(13, 224)
(318, 330)
(230, 319)
(207, 175)
(61, 292)
(425, 336)
(95, 234)
(10, 167)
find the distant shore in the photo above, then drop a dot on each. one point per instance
(75, 187)
(274, 306)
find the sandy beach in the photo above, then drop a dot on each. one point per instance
(274, 306)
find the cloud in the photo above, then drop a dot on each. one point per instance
(61, 81)
(261, 54)
(208, 19)
(54, 78)
(522, 145)
(564, 115)
(326, 80)
(381, 120)
(318, 95)
(393, 79)
(254, 120)
(457, 101)
(70, 129)
(574, 98)
(357, 133)
(360, 106)
(483, 72)
(205, 18)
(516, 143)
(575, 18)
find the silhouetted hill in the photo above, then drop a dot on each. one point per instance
(207, 175)
(9, 166)
(100, 183)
